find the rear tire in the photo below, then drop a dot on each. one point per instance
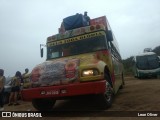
(43, 104)
(123, 83)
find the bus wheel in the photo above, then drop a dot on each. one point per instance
(138, 76)
(106, 99)
(123, 83)
(43, 104)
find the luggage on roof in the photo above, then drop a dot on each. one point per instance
(74, 21)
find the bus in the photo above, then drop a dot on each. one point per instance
(81, 61)
(146, 65)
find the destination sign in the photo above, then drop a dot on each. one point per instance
(73, 39)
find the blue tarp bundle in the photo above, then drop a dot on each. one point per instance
(74, 21)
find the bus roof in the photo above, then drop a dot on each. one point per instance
(146, 54)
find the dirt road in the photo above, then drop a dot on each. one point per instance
(137, 95)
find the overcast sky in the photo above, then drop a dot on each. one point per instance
(25, 24)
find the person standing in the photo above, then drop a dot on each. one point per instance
(15, 88)
(87, 18)
(26, 79)
(2, 82)
(26, 72)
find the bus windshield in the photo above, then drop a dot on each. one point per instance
(77, 47)
(147, 62)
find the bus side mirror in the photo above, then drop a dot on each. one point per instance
(109, 35)
(41, 49)
(159, 60)
(41, 52)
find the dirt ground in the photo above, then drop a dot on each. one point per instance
(137, 95)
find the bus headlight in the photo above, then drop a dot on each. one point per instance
(90, 72)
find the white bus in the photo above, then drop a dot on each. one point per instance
(146, 65)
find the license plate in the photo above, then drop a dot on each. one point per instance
(52, 92)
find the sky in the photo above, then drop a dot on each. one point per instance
(25, 24)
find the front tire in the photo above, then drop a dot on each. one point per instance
(106, 99)
(43, 104)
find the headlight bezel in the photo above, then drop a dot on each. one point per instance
(90, 72)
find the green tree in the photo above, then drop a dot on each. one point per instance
(128, 64)
(157, 50)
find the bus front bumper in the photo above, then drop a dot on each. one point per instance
(149, 73)
(69, 90)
